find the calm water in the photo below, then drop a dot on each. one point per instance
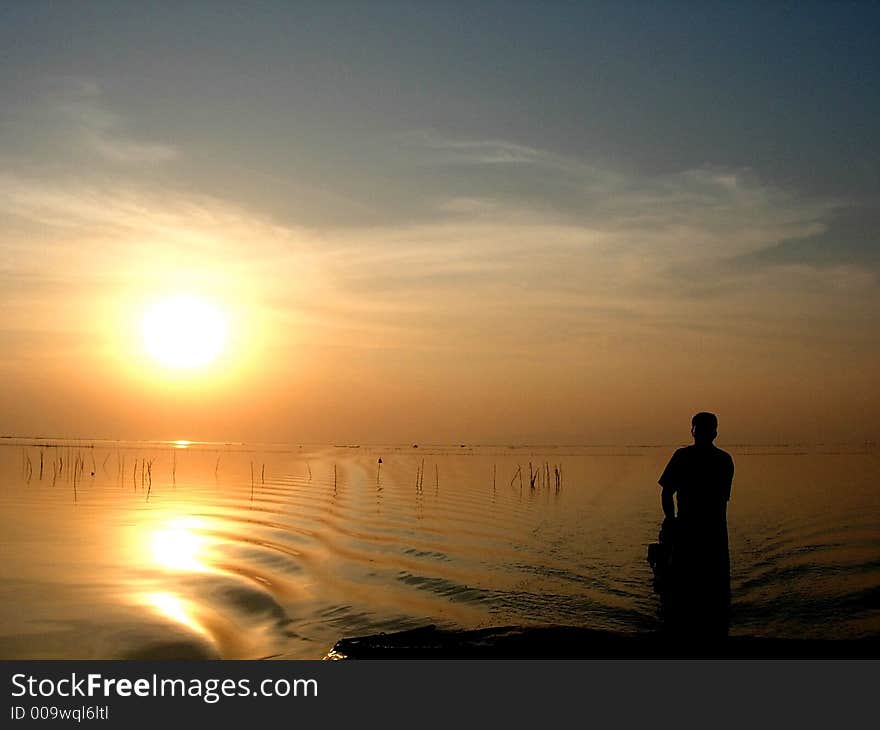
(195, 557)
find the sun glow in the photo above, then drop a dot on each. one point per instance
(179, 545)
(184, 332)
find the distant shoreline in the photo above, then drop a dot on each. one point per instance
(86, 442)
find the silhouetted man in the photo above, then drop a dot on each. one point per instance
(699, 477)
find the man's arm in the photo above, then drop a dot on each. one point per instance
(729, 476)
(669, 481)
(668, 503)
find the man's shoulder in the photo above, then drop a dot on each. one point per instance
(681, 459)
(684, 452)
(678, 456)
(722, 454)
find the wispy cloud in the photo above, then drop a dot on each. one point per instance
(126, 151)
(104, 132)
(80, 107)
(692, 213)
(484, 151)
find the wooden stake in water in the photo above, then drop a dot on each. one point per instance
(420, 476)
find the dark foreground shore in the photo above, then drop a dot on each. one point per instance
(568, 642)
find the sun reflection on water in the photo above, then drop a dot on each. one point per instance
(179, 544)
(176, 609)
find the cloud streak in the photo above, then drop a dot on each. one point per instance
(103, 131)
(76, 116)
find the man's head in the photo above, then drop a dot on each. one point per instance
(704, 428)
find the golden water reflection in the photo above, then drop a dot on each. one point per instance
(180, 544)
(172, 607)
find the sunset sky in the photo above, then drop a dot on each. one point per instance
(442, 222)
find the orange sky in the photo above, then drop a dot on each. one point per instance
(499, 327)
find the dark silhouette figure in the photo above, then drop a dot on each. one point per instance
(692, 562)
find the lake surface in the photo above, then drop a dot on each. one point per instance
(187, 550)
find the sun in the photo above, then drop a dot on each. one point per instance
(184, 332)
